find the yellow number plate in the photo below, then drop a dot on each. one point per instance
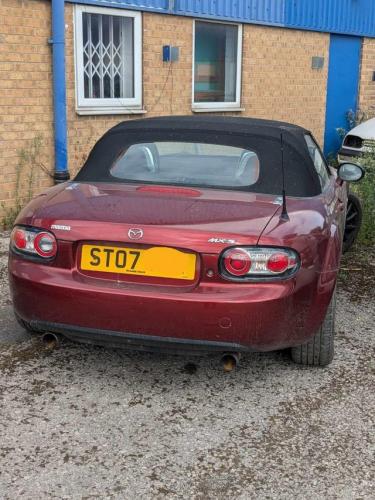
(157, 262)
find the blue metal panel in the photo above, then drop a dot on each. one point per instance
(343, 83)
(165, 6)
(256, 11)
(271, 12)
(354, 17)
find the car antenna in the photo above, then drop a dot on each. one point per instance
(284, 213)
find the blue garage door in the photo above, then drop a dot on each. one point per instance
(343, 83)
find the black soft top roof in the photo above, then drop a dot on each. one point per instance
(262, 136)
(215, 123)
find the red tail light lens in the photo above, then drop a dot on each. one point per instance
(33, 242)
(237, 262)
(249, 263)
(278, 263)
(19, 239)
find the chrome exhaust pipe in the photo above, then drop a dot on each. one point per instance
(230, 361)
(51, 340)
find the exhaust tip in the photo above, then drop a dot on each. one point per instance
(50, 340)
(230, 361)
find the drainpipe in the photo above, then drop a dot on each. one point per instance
(61, 173)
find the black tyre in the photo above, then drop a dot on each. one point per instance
(26, 326)
(319, 350)
(353, 221)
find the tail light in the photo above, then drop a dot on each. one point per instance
(249, 263)
(237, 262)
(33, 242)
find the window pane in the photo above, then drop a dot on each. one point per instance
(188, 164)
(85, 22)
(128, 29)
(96, 86)
(216, 47)
(107, 86)
(86, 86)
(106, 30)
(317, 158)
(117, 86)
(108, 56)
(95, 29)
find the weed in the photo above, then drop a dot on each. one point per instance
(28, 162)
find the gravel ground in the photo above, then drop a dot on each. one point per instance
(87, 422)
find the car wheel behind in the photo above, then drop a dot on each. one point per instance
(353, 221)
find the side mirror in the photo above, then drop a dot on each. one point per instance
(350, 172)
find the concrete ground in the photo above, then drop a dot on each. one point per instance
(83, 422)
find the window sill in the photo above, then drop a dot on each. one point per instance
(218, 109)
(110, 111)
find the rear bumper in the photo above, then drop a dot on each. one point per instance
(137, 341)
(219, 317)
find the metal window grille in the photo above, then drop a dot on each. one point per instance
(108, 56)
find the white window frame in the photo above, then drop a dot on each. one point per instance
(115, 105)
(220, 106)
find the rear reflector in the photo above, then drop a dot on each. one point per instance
(248, 263)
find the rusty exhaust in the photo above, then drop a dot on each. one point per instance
(51, 340)
(230, 361)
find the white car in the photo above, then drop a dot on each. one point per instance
(358, 141)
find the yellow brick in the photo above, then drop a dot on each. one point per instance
(367, 85)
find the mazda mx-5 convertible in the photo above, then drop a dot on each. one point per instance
(189, 234)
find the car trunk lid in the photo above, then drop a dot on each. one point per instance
(199, 221)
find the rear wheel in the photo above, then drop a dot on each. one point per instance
(319, 350)
(353, 221)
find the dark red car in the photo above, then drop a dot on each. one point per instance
(189, 234)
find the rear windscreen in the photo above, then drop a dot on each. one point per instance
(187, 164)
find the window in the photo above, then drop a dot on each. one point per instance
(187, 164)
(319, 162)
(108, 60)
(217, 65)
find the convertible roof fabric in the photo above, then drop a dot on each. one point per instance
(260, 136)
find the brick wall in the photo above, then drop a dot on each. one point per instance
(367, 85)
(25, 92)
(278, 83)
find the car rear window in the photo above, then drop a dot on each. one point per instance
(187, 163)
